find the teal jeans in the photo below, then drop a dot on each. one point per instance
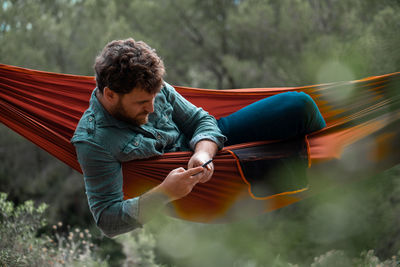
(282, 116)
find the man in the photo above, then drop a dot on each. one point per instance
(134, 114)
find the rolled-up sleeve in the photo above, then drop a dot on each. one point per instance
(194, 122)
(103, 184)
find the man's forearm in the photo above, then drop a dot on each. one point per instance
(151, 203)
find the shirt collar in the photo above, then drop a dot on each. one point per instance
(103, 117)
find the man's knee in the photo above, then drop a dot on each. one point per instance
(303, 107)
(299, 103)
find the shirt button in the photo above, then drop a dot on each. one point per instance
(90, 118)
(136, 143)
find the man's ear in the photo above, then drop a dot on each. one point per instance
(109, 95)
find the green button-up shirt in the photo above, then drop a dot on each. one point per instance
(102, 143)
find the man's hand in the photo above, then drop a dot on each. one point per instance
(180, 182)
(198, 159)
(204, 151)
(176, 185)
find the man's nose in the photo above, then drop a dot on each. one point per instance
(150, 107)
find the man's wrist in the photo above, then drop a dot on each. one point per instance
(206, 146)
(151, 203)
(156, 195)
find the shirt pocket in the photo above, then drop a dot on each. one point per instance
(134, 149)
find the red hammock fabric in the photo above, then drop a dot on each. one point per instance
(362, 117)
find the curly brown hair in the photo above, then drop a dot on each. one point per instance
(127, 64)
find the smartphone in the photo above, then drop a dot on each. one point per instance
(205, 164)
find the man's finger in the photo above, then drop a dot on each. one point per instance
(209, 167)
(180, 169)
(205, 179)
(194, 171)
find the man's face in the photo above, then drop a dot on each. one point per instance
(134, 107)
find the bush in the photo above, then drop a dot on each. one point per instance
(139, 248)
(21, 245)
(335, 258)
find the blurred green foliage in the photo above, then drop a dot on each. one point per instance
(348, 220)
(216, 44)
(211, 44)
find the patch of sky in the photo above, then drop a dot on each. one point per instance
(6, 5)
(5, 27)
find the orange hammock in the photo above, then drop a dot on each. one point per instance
(362, 136)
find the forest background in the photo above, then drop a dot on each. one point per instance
(207, 44)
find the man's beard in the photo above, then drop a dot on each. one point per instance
(120, 113)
